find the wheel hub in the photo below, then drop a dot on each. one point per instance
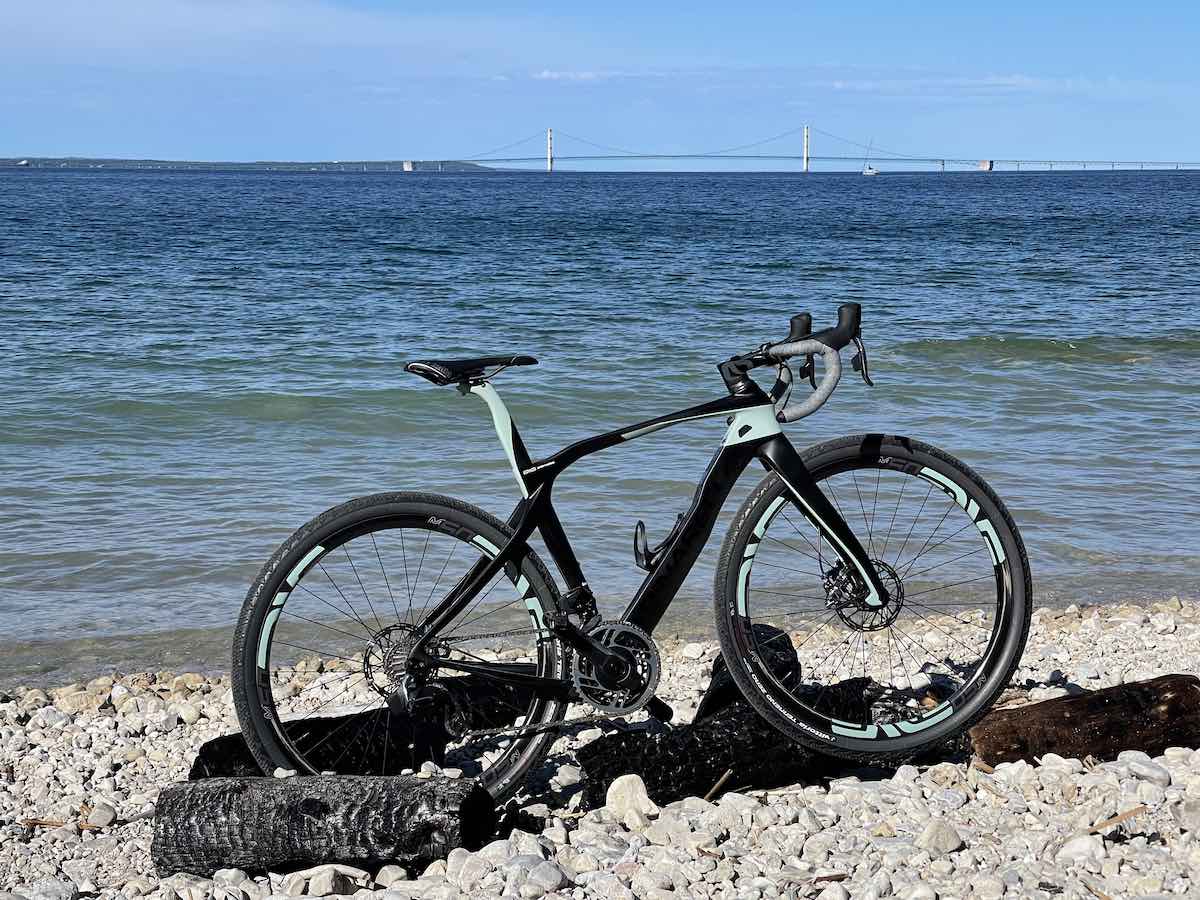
(386, 661)
(847, 595)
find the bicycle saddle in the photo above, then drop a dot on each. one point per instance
(453, 371)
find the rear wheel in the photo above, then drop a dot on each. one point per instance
(322, 646)
(875, 682)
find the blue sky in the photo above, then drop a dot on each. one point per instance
(267, 79)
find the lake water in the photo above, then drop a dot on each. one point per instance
(196, 363)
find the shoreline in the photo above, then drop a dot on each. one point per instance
(99, 752)
(206, 650)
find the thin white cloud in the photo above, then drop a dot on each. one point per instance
(978, 86)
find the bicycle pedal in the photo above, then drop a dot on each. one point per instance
(659, 709)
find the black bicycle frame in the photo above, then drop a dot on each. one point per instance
(536, 513)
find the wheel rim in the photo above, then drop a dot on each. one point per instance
(869, 673)
(355, 602)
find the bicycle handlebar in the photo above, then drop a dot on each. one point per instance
(829, 377)
(801, 341)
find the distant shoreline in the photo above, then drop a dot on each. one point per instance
(388, 165)
(460, 167)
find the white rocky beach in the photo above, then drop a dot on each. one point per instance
(81, 767)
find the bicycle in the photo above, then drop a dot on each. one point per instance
(841, 637)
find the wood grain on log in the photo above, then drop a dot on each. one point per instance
(1145, 715)
(279, 824)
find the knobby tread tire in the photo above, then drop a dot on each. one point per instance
(267, 753)
(817, 457)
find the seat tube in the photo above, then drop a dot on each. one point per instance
(506, 431)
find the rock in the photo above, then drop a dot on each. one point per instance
(102, 814)
(920, 891)
(939, 837)
(833, 891)
(987, 888)
(568, 776)
(188, 713)
(547, 876)
(693, 651)
(1081, 849)
(51, 889)
(1187, 814)
(628, 794)
(1151, 771)
(390, 874)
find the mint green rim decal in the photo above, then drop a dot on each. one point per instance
(892, 729)
(268, 629)
(302, 566)
(959, 496)
(924, 722)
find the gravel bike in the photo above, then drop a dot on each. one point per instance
(872, 596)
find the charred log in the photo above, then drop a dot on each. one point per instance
(258, 824)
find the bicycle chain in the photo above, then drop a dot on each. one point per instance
(516, 731)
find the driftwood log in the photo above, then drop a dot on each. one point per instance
(1144, 715)
(280, 824)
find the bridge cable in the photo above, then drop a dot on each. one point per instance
(601, 146)
(523, 140)
(776, 137)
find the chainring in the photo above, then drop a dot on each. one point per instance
(643, 653)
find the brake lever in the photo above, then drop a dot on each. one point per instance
(860, 362)
(809, 371)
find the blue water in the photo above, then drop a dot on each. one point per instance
(196, 363)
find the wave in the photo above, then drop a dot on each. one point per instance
(1099, 349)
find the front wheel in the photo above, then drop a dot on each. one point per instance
(858, 681)
(323, 674)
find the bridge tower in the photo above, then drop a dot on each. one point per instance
(805, 149)
(549, 149)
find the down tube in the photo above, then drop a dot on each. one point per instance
(647, 607)
(780, 456)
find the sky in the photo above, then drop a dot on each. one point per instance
(365, 79)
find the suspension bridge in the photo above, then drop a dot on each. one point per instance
(772, 150)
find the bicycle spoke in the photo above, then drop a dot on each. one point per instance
(383, 572)
(363, 587)
(321, 566)
(332, 606)
(863, 507)
(438, 581)
(947, 562)
(295, 615)
(892, 524)
(912, 527)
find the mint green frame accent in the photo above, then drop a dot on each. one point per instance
(524, 588)
(504, 428)
(760, 419)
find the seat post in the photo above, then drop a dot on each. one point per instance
(506, 430)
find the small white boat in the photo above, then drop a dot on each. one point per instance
(869, 169)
